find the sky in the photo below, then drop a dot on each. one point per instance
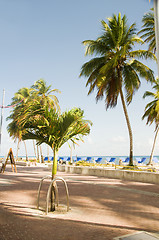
(43, 39)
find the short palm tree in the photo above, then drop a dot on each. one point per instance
(148, 30)
(55, 129)
(152, 113)
(116, 66)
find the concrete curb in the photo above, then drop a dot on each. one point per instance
(147, 177)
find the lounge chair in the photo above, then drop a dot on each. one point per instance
(126, 160)
(61, 160)
(88, 159)
(45, 158)
(141, 160)
(98, 160)
(76, 159)
(112, 160)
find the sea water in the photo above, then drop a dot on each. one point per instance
(93, 158)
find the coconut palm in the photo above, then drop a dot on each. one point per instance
(152, 113)
(116, 66)
(55, 129)
(148, 30)
(13, 128)
(39, 93)
(45, 94)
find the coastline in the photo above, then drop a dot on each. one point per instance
(84, 157)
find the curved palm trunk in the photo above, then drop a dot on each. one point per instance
(153, 147)
(129, 127)
(54, 166)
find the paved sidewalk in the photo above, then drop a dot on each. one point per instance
(101, 208)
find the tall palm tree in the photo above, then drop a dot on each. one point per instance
(148, 30)
(45, 94)
(39, 93)
(152, 113)
(13, 128)
(116, 66)
(55, 129)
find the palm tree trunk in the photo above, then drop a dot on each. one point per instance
(153, 147)
(37, 153)
(48, 152)
(54, 166)
(129, 127)
(17, 149)
(54, 171)
(35, 150)
(26, 151)
(42, 158)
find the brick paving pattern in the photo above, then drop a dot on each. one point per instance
(101, 208)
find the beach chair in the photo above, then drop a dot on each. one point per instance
(76, 159)
(45, 158)
(61, 160)
(141, 160)
(112, 160)
(98, 160)
(126, 160)
(88, 159)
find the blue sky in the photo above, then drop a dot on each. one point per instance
(42, 39)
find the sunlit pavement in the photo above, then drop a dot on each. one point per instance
(99, 207)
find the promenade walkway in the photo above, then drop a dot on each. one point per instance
(101, 208)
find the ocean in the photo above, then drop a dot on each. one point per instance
(93, 158)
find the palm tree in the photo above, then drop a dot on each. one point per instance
(15, 133)
(39, 93)
(13, 128)
(148, 30)
(55, 129)
(152, 113)
(44, 93)
(116, 66)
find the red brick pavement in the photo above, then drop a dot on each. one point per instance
(101, 208)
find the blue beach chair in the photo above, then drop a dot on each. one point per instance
(77, 159)
(126, 160)
(88, 159)
(45, 158)
(141, 160)
(112, 160)
(60, 159)
(98, 160)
